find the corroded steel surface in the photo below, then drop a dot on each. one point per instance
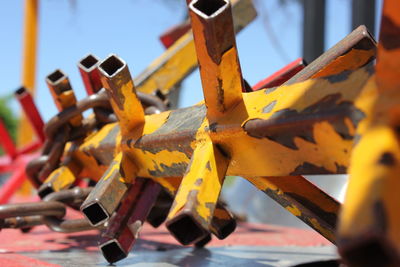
(179, 60)
(337, 115)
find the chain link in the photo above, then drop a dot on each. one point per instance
(49, 212)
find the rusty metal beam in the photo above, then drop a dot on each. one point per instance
(192, 211)
(90, 73)
(167, 137)
(352, 52)
(215, 43)
(118, 236)
(162, 141)
(121, 242)
(304, 200)
(62, 93)
(117, 80)
(61, 178)
(180, 60)
(106, 196)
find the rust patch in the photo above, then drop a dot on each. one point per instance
(356, 139)
(286, 124)
(192, 199)
(380, 217)
(220, 95)
(103, 153)
(212, 127)
(208, 166)
(344, 75)
(216, 41)
(340, 168)
(118, 98)
(121, 171)
(309, 168)
(211, 207)
(308, 209)
(175, 170)
(191, 205)
(198, 182)
(328, 217)
(268, 108)
(390, 32)
(270, 90)
(184, 121)
(109, 139)
(387, 159)
(274, 194)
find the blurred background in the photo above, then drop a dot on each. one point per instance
(70, 29)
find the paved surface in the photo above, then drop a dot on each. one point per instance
(213, 256)
(250, 245)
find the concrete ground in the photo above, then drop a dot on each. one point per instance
(250, 245)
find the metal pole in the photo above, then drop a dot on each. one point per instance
(25, 132)
(313, 29)
(31, 112)
(363, 13)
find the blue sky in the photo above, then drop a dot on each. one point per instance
(130, 28)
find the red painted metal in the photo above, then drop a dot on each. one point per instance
(170, 36)
(90, 74)
(6, 141)
(31, 112)
(282, 75)
(5, 164)
(18, 260)
(17, 159)
(247, 234)
(30, 148)
(13, 183)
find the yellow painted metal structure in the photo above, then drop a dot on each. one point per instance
(295, 194)
(343, 117)
(178, 61)
(201, 185)
(163, 75)
(161, 146)
(369, 231)
(25, 132)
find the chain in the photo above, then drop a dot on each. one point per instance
(49, 212)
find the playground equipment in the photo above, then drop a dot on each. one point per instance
(337, 115)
